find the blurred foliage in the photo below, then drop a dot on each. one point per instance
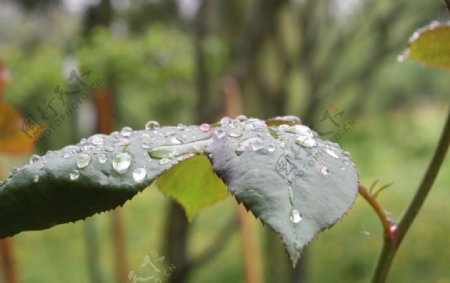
(151, 73)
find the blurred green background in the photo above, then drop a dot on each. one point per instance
(176, 61)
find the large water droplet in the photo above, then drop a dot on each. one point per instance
(150, 125)
(139, 174)
(306, 141)
(34, 158)
(83, 160)
(97, 140)
(36, 178)
(126, 131)
(161, 152)
(122, 162)
(295, 216)
(74, 175)
(102, 158)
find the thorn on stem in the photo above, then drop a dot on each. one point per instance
(393, 230)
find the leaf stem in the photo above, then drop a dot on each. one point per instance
(369, 197)
(391, 245)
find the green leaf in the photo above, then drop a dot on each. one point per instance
(431, 45)
(293, 181)
(193, 184)
(96, 175)
(289, 178)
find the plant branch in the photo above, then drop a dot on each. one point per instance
(369, 197)
(391, 246)
(217, 246)
(447, 3)
(427, 182)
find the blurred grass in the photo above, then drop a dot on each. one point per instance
(394, 147)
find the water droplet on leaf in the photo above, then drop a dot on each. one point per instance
(306, 141)
(146, 145)
(300, 130)
(174, 140)
(97, 140)
(331, 153)
(121, 162)
(257, 146)
(34, 158)
(102, 158)
(295, 216)
(204, 127)
(241, 118)
(298, 247)
(122, 142)
(126, 131)
(83, 160)
(225, 121)
(74, 175)
(324, 170)
(235, 134)
(164, 160)
(88, 147)
(150, 125)
(108, 148)
(239, 150)
(139, 174)
(220, 133)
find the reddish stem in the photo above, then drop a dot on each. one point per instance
(387, 224)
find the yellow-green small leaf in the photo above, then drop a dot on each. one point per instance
(431, 45)
(193, 184)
